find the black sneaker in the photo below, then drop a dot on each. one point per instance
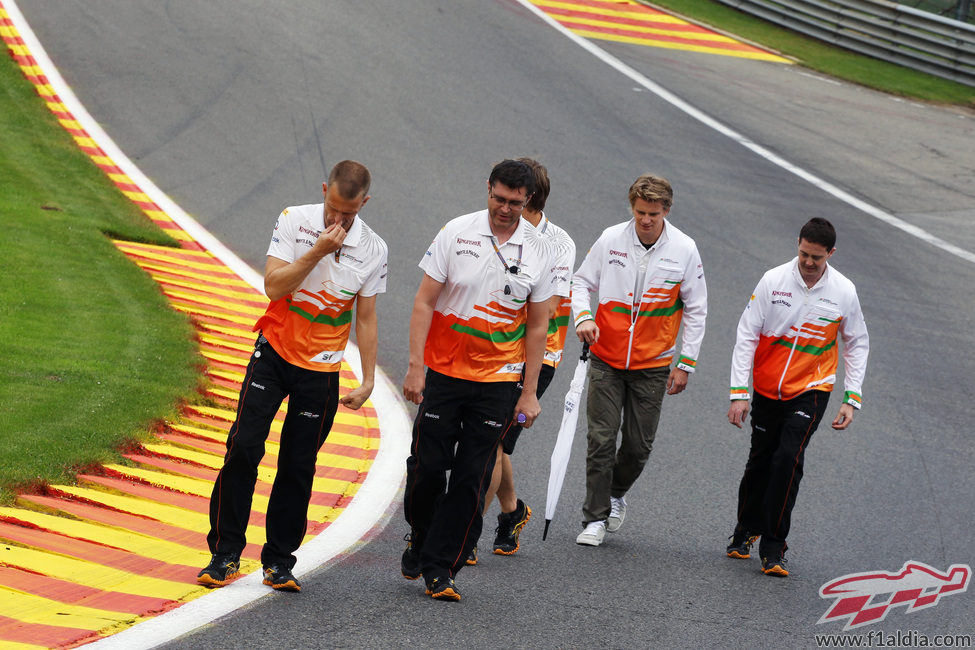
(741, 545)
(472, 557)
(222, 569)
(509, 529)
(410, 564)
(443, 589)
(775, 566)
(279, 577)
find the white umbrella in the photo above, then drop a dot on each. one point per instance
(567, 431)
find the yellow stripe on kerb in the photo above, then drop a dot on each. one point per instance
(163, 550)
(93, 575)
(36, 610)
(761, 56)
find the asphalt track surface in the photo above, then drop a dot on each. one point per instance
(235, 110)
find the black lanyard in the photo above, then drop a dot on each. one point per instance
(507, 269)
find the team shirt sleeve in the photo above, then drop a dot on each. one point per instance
(694, 295)
(435, 260)
(749, 329)
(585, 281)
(544, 288)
(376, 281)
(283, 238)
(856, 346)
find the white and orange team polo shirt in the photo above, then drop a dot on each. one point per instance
(643, 297)
(561, 275)
(787, 336)
(478, 331)
(310, 327)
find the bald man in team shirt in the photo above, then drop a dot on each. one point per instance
(322, 262)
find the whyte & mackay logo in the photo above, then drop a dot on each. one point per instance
(865, 598)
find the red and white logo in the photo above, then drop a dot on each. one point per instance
(865, 598)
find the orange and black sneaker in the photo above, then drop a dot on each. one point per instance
(741, 545)
(222, 569)
(472, 557)
(443, 589)
(509, 529)
(410, 562)
(774, 566)
(279, 577)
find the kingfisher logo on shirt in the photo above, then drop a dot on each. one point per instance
(787, 294)
(469, 242)
(618, 253)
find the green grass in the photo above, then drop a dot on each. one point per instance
(824, 58)
(91, 355)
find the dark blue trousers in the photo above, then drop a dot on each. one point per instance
(781, 431)
(312, 402)
(458, 428)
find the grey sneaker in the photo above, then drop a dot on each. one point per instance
(617, 513)
(593, 534)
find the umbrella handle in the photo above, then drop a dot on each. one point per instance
(585, 352)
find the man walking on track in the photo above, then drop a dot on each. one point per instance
(323, 261)
(515, 513)
(649, 279)
(479, 321)
(787, 342)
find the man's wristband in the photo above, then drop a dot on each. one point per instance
(740, 392)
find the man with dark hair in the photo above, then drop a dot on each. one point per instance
(479, 322)
(787, 342)
(649, 280)
(515, 513)
(323, 261)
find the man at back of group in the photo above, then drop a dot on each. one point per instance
(479, 320)
(515, 513)
(787, 341)
(649, 279)
(322, 261)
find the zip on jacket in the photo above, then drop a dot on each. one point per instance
(639, 324)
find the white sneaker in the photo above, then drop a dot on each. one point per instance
(617, 513)
(593, 534)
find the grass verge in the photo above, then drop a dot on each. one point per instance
(819, 56)
(91, 354)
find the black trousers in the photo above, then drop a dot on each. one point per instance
(781, 431)
(545, 376)
(312, 403)
(458, 428)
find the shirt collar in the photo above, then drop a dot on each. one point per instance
(663, 238)
(798, 276)
(517, 237)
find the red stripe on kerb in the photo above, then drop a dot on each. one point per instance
(660, 38)
(127, 521)
(151, 493)
(69, 593)
(48, 636)
(622, 20)
(96, 553)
